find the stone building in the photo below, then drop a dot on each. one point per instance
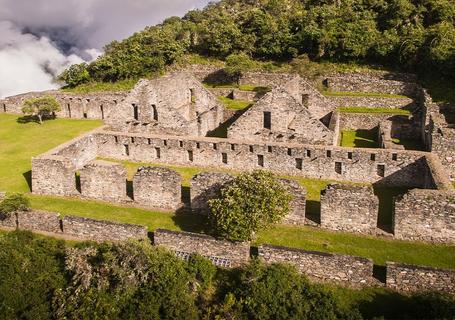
(278, 116)
(173, 104)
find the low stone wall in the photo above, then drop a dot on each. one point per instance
(222, 92)
(247, 95)
(391, 83)
(157, 187)
(102, 230)
(373, 102)
(39, 220)
(220, 252)
(206, 186)
(408, 278)
(349, 208)
(322, 267)
(425, 215)
(8, 221)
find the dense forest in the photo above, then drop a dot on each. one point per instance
(43, 278)
(409, 35)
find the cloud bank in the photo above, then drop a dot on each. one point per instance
(39, 39)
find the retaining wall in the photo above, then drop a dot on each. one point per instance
(373, 102)
(220, 252)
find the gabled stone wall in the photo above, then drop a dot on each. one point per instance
(425, 215)
(409, 278)
(349, 208)
(156, 187)
(322, 267)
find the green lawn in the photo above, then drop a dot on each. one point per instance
(374, 110)
(123, 85)
(19, 142)
(235, 104)
(361, 94)
(359, 138)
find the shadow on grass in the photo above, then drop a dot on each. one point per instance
(28, 178)
(34, 119)
(186, 196)
(129, 189)
(313, 211)
(191, 222)
(366, 138)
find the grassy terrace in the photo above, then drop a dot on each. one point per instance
(374, 110)
(362, 94)
(359, 138)
(242, 87)
(19, 142)
(235, 104)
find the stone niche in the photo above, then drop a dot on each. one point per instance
(206, 186)
(349, 208)
(157, 188)
(103, 180)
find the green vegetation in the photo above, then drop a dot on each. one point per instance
(374, 110)
(362, 94)
(44, 278)
(359, 138)
(14, 202)
(41, 107)
(121, 85)
(411, 35)
(258, 194)
(235, 104)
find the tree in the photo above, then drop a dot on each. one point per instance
(14, 202)
(237, 64)
(250, 203)
(41, 107)
(75, 75)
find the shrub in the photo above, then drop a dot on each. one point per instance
(41, 107)
(75, 75)
(14, 202)
(250, 203)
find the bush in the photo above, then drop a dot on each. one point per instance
(14, 202)
(75, 75)
(250, 203)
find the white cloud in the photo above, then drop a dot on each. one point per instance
(41, 37)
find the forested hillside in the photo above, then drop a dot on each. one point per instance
(408, 35)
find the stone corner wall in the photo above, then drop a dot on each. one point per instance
(297, 204)
(349, 208)
(409, 278)
(322, 267)
(221, 252)
(425, 215)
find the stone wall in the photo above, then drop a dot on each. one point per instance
(39, 220)
(102, 230)
(206, 186)
(381, 83)
(298, 202)
(373, 102)
(322, 267)
(387, 167)
(103, 180)
(409, 278)
(157, 188)
(349, 208)
(8, 221)
(75, 106)
(53, 175)
(220, 252)
(425, 215)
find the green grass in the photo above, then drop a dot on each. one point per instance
(374, 110)
(359, 138)
(243, 87)
(235, 104)
(362, 94)
(409, 144)
(123, 85)
(19, 142)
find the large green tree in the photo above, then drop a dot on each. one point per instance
(41, 107)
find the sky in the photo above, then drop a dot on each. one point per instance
(40, 38)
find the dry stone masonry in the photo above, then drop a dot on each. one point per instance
(206, 186)
(156, 187)
(349, 208)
